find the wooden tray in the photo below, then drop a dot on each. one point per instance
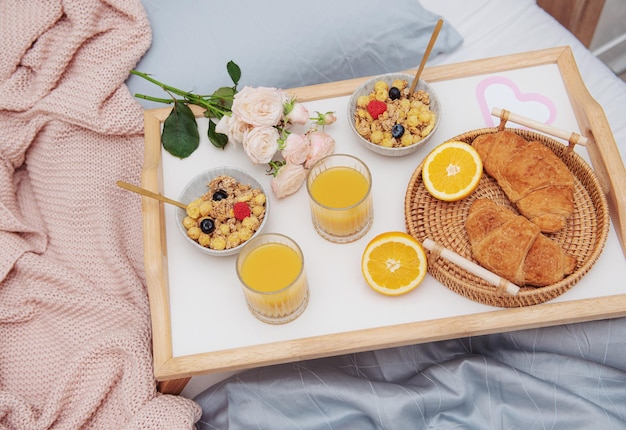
(173, 371)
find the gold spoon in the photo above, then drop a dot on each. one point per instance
(144, 192)
(429, 48)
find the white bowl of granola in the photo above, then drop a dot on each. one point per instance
(226, 207)
(386, 119)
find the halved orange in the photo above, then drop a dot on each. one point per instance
(452, 171)
(394, 263)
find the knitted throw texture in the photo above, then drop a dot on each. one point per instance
(75, 346)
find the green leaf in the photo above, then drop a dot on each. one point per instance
(219, 140)
(234, 72)
(225, 97)
(180, 131)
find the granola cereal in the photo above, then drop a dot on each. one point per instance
(211, 219)
(403, 120)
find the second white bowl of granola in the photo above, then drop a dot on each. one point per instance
(226, 207)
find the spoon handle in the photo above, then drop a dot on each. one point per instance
(429, 48)
(147, 193)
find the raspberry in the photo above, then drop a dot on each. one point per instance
(242, 210)
(376, 107)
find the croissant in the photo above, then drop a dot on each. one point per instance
(513, 247)
(534, 179)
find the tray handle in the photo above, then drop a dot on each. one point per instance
(571, 137)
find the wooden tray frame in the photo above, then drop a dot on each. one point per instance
(174, 372)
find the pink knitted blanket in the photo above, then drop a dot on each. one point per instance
(75, 348)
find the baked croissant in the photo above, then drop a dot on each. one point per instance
(513, 247)
(534, 179)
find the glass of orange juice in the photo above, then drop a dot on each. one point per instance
(271, 269)
(339, 187)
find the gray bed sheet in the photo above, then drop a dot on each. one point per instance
(564, 377)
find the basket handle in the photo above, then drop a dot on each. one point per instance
(503, 285)
(571, 137)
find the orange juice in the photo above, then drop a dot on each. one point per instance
(339, 187)
(341, 203)
(271, 268)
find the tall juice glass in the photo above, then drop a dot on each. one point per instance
(271, 269)
(339, 188)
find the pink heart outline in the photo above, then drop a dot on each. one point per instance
(481, 89)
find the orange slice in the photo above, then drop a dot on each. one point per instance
(452, 171)
(394, 263)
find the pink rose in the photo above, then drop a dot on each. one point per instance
(324, 118)
(288, 180)
(261, 143)
(321, 145)
(296, 149)
(298, 114)
(233, 127)
(329, 118)
(260, 106)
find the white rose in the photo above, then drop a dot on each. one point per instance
(296, 149)
(288, 180)
(233, 127)
(222, 125)
(261, 143)
(260, 106)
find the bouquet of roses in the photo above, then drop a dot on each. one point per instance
(260, 119)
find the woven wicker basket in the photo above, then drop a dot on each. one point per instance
(584, 236)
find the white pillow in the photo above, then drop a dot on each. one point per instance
(283, 43)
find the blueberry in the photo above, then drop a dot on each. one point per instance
(397, 130)
(394, 93)
(207, 225)
(219, 195)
